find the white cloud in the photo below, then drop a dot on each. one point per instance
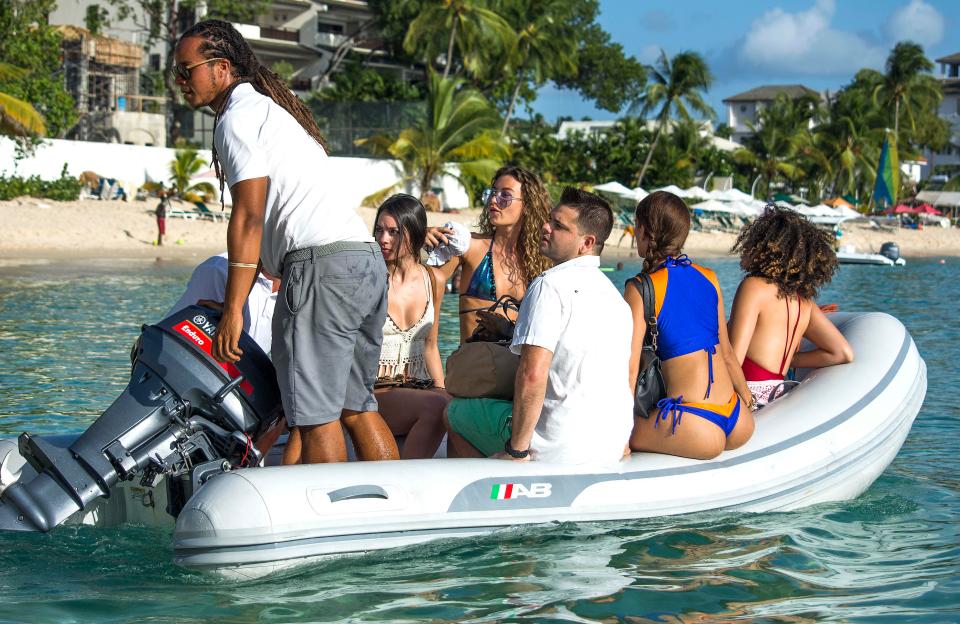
(918, 22)
(803, 43)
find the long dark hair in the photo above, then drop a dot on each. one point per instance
(666, 220)
(221, 40)
(411, 218)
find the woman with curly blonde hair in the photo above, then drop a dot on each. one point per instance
(505, 255)
(787, 260)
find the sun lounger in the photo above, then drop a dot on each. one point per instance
(206, 213)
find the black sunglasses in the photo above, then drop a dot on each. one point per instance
(179, 70)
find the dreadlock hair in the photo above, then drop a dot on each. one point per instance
(665, 220)
(784, 248)
(536, 212)
(221, 40)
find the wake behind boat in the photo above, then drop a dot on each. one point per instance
(826, 440)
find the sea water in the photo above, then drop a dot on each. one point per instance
(893, 554)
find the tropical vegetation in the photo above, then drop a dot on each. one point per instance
(186, 164)
(457, 135)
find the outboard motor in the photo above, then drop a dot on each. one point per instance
(890, 250)
(183, 416)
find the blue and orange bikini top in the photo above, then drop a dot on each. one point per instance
(687, 320)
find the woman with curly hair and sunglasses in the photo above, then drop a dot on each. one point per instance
(505, 256)
(787, 260)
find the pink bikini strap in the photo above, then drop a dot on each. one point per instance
(786, 347)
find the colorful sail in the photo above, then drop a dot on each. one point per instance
(888, 174)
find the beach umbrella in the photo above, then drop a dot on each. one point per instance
(899, 209)
(927, 209)
(838, 201)
(847, 212)
(695, 192)
(639, 193)
(614, 187)
(712, 205)
(673, 188)
(732, 195)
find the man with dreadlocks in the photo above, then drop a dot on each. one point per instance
(327, 331)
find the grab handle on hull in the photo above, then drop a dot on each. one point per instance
(357, 491)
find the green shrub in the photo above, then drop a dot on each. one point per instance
(65, 188)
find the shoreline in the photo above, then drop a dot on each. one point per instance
(42, 232)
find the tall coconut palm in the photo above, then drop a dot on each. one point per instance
(471, 27)
(457, 136)
(905, 84)
(186, 164)
(540, 50)
(18, 118)
(675, 86)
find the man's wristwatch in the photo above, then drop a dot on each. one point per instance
(514, 453)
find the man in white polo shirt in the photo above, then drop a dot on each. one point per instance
(327, 326)
(572, 402)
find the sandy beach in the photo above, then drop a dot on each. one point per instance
(36, 229)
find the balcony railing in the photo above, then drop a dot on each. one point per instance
(281, 34)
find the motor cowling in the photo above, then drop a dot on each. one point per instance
(181, 411)
(890, 250)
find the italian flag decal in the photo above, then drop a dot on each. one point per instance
(501, 491)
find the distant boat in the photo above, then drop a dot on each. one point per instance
(865, 258)
(889, 255)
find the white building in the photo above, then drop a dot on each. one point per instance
(949, 110)
(743, 109)
(310, 35)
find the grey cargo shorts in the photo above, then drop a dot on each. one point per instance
(328, 329)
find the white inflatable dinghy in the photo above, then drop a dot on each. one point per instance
(827, 439)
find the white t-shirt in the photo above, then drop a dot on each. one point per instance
(209, 281)
(575, 312)
(257, 138)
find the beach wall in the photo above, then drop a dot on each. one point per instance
(351, 179)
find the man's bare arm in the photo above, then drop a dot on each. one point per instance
(243, 246)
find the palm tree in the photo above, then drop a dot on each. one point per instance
(18, 118)
(780, 132)
(905, 84)
(458, 136)
(478, 27)
(675, 85)
(850, 137)
(540, 50)
(186, 164)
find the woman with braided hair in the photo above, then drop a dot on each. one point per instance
(787, 260)
(707, 404)
(332, 302)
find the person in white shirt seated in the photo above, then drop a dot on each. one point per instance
(410, 389)
(207, 287)
(572, 402)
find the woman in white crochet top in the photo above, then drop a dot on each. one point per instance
(410, 354)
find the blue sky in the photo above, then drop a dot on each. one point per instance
(817, 43)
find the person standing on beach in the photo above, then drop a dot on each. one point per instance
(161, 213)
(327, 328)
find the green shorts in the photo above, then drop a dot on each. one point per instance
(484, 423)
